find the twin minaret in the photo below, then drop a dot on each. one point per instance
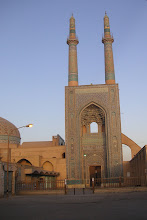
(72, 41)
(107, 40)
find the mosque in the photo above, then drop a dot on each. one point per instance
(84, 154)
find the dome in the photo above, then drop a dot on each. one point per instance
(6, 128)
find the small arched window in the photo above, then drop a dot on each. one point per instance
(93, 127)
(63, 155)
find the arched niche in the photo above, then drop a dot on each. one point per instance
(48, 166)
(92, 116)
(24, 162)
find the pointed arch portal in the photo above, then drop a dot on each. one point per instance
(92, 119)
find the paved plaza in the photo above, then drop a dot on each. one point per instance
(130, 205)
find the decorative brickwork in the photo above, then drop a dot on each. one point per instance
(72, 41)
(109, 64)
(86, 104)
(7, 128)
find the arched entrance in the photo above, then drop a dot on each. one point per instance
(93, 141)
(95, 172)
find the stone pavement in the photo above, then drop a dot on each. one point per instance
(125, 205)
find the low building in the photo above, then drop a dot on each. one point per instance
(46, 158)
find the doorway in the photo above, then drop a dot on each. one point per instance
(95, 172)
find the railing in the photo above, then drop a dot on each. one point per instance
(91, 184)
(40, 185)
(120, 182)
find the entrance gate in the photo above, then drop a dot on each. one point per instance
(95, 172)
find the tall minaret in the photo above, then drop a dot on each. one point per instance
(107, 40)
(72, 41)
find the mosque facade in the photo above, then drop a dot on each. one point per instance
(84, 154)
(101, 151)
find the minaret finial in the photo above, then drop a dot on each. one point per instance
(105, 13)
(72, 41)
(107, 40)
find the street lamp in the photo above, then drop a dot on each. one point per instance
(85, 166)
(9, 133)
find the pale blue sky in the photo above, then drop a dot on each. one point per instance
(34, 61)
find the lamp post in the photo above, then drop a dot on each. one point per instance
(9, 133)
(85, 166)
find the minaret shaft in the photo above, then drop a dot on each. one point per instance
(109, 63)
(72, 41)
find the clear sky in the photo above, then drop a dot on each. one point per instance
(34, 61)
